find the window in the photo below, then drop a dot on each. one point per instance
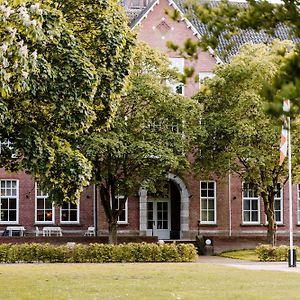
(278, 205)
(69, 213)
(207, 202)
(250, 204)
(123, 218)
(177, 63)
(44, 209)
(9, 201)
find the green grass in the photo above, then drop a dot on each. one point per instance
(143, 281)
(241, 254)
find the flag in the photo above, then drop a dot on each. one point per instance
(284, 133)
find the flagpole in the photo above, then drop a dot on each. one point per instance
(292, 254)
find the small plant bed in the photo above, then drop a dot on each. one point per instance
(97, 253)
(269, 253)
(246, 254)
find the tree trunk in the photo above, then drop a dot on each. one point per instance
(112, 231)
(269, 211)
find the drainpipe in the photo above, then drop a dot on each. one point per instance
(229, 204)
(95, 210)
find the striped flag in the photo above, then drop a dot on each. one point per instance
(284, 133)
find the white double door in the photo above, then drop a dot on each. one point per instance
(158, 218)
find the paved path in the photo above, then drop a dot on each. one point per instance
(249, 265)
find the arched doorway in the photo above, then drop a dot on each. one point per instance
(165, 215)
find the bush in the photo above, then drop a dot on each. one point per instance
(97, 253)
(269, 253)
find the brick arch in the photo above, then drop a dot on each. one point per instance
(184, 206)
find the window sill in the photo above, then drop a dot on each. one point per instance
(252, 224)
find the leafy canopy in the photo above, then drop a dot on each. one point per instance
(55, 85)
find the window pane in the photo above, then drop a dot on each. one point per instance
(203, 185)
(211, 216)
(40, 203)
(203, 193)
(246, 216)
(211, 193)
(246, 204)
(254, 204)
(277, 204)
(4, 215)
(211, 204)
(203, 215)
(254, 216)
(48, 204)
(211, 185)
(64, 216)
(203, 204)
(73, 215)
(122, 217)
(12, 204)
(12, 215)
(48, 215)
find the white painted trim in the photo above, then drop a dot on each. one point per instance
(258, 207)
(35, 209)
(70, 222)
(17, 201)
(215, 203)
(146, 13)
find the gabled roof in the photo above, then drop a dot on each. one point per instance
(246, 36)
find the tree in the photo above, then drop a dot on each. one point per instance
(55, 85)
(229, 19)
(151, 134)
(241, 136)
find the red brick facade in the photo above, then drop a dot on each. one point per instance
(184, 205)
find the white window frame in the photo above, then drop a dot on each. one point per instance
(36, 209)
(17, 201)
(78, 214)
(250, 210)
(209, 198)
(177, 63)
(281, 206)
(118, 197)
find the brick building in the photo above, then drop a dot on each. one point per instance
(212, 206)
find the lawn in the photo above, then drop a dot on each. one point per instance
(143, 281)
(241, 254)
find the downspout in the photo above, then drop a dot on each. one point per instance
(95, 204)
(229, 205)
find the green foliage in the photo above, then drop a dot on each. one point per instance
(241, 136)
(97, 253)
(271, 253)
(63, 67)
(228, 19)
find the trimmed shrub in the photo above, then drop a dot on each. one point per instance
(269, 253)
(97, 253)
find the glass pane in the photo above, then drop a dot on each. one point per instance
(8, 192)
(254, 215)
(277, 216)
(12, 215)
(64, 215)
(165, 205)
(12, 204)
(211, 204)
(246, 204)
(165, 215)
(4, 215)
(48, 204)
(159, 215)
(165, 224)
(247, 216)
(159, 225)
(254, 205)
(204, 204)
(211, 185)
(203, 193)
(149, 224)
(203, 215)
(122, 216)
(203, 185)
(40, 203)
(159, 205)
(277, 204)
(2, 184)
(65, 205)
(73, 206)
(14, 192)
(150, 215)
(14, 184)
(3, 192)
(211, 193)
(4, 203)
(48, 215)
(8, 184)
(211, 216)
(40, 215)
(150, 205)
(73, 215)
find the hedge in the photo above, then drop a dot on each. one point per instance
(96, 253)
(269, 253)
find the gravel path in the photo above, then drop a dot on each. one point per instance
(249, 265)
